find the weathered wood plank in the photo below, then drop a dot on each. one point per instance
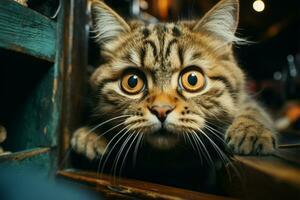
(18, 156)
(26, 31)
(38, 160)
(135, 189)
(273, 167)
(265, 177)
(73, 62)
(289, 153)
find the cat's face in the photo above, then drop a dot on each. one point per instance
(169, 80)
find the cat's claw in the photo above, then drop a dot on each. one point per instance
(250, 138)
(88, 143)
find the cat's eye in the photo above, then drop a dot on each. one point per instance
(132, 83)
(192, 79)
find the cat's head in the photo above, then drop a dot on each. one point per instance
(168, 80)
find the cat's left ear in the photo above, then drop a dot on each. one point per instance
(108, 25)
(221, 21)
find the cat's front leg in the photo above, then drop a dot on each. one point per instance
(88, 143)
(251, 132)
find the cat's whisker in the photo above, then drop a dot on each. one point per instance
(214, 145)
(111, 150)
(128, 149)
(225, 122)
(221, 139)
(116, 126)
(138, 144)
(116, 161)
(110, 141)
(199, 146)
(222, 155)
(215, 117)
(211, 130)
(215, 132)
(221, 121)
(188, 140)
(204, 148)
(222, 127)
(113, 147)
(197, 149)
(210, 125)
(185, 138)
(107, 121)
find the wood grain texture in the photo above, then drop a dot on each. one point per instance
(26, 31)
(22, 155)
(265, 177)
(135, 189)
(35, 160)
(73, 62)
(273, 167)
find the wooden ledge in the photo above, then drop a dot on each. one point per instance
(134, 189)
(17, 156)
(267, 177)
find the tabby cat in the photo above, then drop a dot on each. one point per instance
(171, 83)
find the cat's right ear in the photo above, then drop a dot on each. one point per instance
(221, 21)
(107, 24)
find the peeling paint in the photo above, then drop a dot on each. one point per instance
(55, 87)
(22, 35)
(45, 130)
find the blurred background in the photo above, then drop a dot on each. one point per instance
(272, 60)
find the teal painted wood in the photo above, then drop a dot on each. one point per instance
(36, 121)
(56, 93)
(41, 162)
(24, 30)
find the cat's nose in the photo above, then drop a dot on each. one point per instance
(161, 111)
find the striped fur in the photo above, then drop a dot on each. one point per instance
(161, 51)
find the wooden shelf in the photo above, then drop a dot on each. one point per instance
(134, 189)
(34, 159)
(267, 177)
(24, 30)
(273, 167)
(22, 155)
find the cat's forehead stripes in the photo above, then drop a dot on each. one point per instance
(155, 48)
(159, 49)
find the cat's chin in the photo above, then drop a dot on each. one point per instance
(162, 139)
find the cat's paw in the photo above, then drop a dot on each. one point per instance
(247, 136)
(88, 143)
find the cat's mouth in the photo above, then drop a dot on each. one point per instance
(162, 139)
